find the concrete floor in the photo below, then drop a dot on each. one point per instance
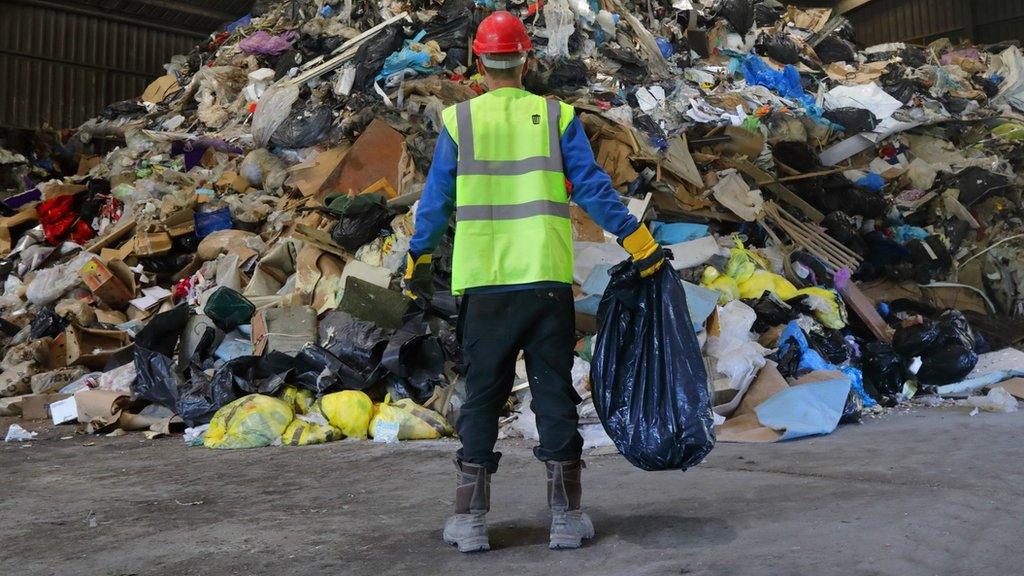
(932, 492)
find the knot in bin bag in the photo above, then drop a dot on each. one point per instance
(649, 383)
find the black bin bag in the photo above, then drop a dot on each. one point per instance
(647, 375)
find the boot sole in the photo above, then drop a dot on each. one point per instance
(566, 542)
(469, 546)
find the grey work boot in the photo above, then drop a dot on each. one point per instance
(569, 525)
(467, 529)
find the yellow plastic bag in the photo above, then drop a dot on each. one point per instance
(829, 310)
(311, 428)
(249, 422)
(725, 285)
(348, 411)
(761, 281)
(300, 399)
(414, 421)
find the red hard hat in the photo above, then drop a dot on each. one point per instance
(501, 33)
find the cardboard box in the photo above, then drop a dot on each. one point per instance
(152, 243)
(37, 406)
(104, 284)
(92, 347)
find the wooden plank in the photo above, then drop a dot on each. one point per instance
(864, 308)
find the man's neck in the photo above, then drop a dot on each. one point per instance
(496, 84)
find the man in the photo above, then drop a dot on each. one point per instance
(501, 164)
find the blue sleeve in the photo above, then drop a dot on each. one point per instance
(438, 199)
(592, 188)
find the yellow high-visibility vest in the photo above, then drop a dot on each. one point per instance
(511, 203)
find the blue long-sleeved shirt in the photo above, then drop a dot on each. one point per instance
(592, 190)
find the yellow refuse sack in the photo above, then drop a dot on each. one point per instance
(312, 428)
(249, 422)
(348, 411)
(414, 421)
(725, 285)
(828, 308)
(300, 399)
(762, 281)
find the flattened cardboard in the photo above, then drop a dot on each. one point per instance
(232, 180)
(161, 89)
(37, 406)
(283, 329)
(311, 176)
(58, 190)
(376, 154)
(12, 228)
(584, 229)
(87, 163)
(743, 425)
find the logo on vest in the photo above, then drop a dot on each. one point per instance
(536, 119)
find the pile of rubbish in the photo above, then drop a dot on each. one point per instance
(847, 221)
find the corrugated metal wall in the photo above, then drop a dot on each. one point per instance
(986, 21)
(62, 67)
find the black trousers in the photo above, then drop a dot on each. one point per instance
(495, 327)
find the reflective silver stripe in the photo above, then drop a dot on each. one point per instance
(470, 166)
(512, 211)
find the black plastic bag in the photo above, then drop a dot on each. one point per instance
(649, 383)
(768, 13)
(796, 155)
(416, 358)
(930, 258)
(304, 127)
(779, 47)
(771, 311)
(738, 13)
(946, 366)
(358, 344)
(834, 193)
(882, 368)
(370, 56)
(913, 56)
(320, 372)
(355, 229)
(853, 120)
(832, 48)
(160, 380)
(852, 409)
(915, 340)
(976, 183)
(46, 323)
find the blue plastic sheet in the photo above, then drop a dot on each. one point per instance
(904, 233)
(872, 182)
(805, 410)
(666, 234)
(209, 222)
(408, 59)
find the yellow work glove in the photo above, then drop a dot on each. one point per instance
(419, 277)
(647, 254)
